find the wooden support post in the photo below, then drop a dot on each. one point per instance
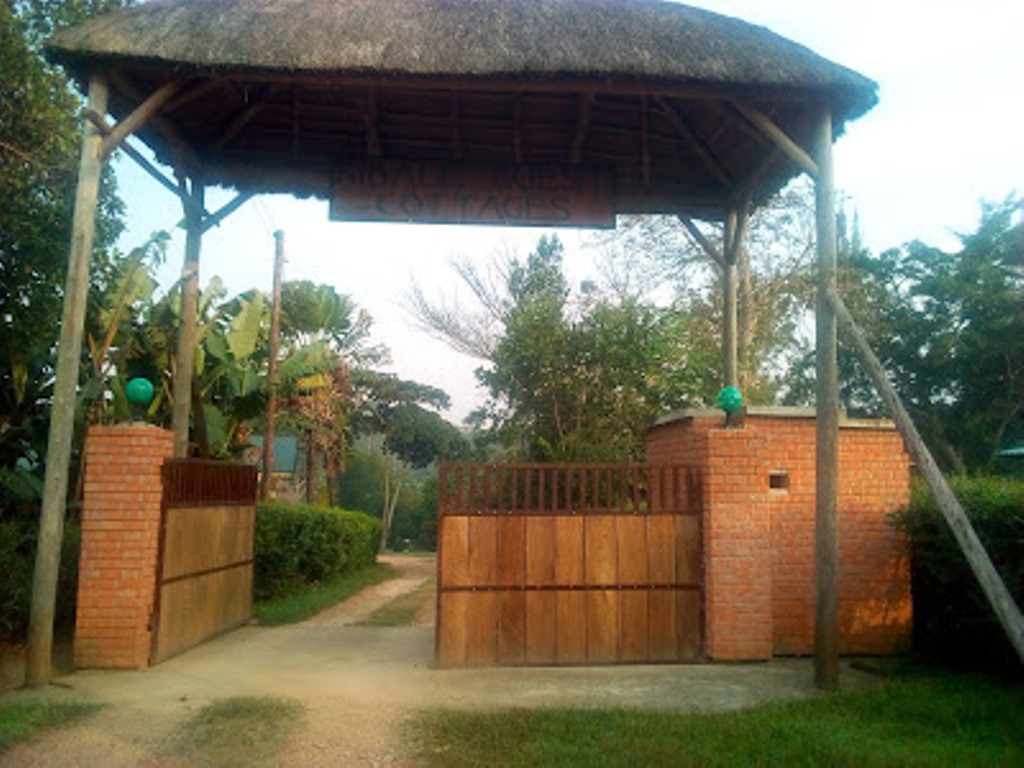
(185, 358)
(275, 338)
(62, 414)
(730, 357)
(826, 628)
(995, 590)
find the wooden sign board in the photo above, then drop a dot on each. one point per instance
(463, 193)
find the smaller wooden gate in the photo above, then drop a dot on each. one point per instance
(204, 570)
(569, 564)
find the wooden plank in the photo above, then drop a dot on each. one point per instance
(633, 626)
(632, 549)
(571, 628)
(483, 551)
(689, 550)
(569, 551)
(511, 647)
(662, 643)
(453, 543)
(600, 561)
(540, 551)
(661, 549)
(511, 565)
(481, 628)
(541, 627)
(206, 537)
(452, 620)
(602, 626)
(689, 625)
(196, 609)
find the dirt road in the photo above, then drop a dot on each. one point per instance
(360, 685)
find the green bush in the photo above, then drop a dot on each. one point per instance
(952, 618)
(299, 544)
(17, 563)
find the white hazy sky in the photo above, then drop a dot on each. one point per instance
(944, 136)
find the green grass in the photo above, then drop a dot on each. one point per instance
(309, 601)
(401, 611)
(918, 719)
(236, 732)
(22, 720)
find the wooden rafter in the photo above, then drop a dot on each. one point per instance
(183, 153)
(139, 116)
(585, 104)
(645, 141)
(456, 125)
(769, 128)
(370, 118)
(236, 123)
(296, 122)
(713, 253)
(517, 126)
(699, 146)
(197, 91)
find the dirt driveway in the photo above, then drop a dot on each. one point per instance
(359, 685)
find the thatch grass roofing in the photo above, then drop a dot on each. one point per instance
(278, 94)
(472, 38)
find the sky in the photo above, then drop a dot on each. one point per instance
(944, 137)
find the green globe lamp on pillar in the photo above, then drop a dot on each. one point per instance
(730, 400)
(139, 392)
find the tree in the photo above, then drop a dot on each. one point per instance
(646, 254)
(572, 375)
(949, 328)
(39, 143)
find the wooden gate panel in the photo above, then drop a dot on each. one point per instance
(205, 570)
(571, 627)
(566, 564)
(541, 627)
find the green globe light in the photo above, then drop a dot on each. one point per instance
(729, 399)
(139, 392)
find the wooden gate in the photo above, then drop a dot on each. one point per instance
(204, 569)
(568, 564)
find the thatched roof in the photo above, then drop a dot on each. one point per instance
(507, 59)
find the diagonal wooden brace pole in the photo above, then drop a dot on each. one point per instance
(995, 590)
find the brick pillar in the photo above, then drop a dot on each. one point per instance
(737, 548)
(120, 536)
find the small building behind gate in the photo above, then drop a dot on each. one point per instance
(758, 530)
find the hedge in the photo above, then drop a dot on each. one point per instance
(952, 618)
(300, 544)
(17, 563)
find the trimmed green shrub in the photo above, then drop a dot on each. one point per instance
(17, 563)
(952, 618)
(299, 544)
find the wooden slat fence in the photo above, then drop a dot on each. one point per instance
(569, 564)
(204, 571)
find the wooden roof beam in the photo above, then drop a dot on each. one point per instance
(243, 117)
(455, 115)
(183, 154)
(768, 127)
(699, 146)
(585, 103)
(370, 117)
(139, 116)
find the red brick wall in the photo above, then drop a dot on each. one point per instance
(120, 537)
(759, 540)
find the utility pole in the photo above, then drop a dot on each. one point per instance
(275, 343)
